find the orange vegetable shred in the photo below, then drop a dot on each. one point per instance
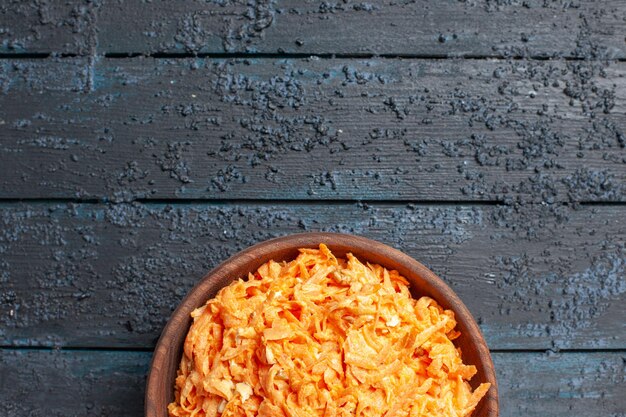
(322, 336)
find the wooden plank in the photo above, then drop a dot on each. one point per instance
(446, 28)
(536, 384)
(535, 277)
(66, 27)
(531, 384)
(120, 129)
(76, 383)
(443, 28)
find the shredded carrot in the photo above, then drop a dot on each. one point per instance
(322, 337)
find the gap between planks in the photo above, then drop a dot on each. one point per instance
(293, 55)
(295, 202)
(250, 201)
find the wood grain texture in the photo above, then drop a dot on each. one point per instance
(446, 28)
(59, 27)
(539, 131)
(534, 277)
(532, 384)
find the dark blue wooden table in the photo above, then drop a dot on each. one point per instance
(141, 143)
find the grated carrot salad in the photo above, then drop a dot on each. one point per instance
(322, 336)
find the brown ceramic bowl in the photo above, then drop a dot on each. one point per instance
(166, 359)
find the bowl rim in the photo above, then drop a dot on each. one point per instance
(259, 253)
